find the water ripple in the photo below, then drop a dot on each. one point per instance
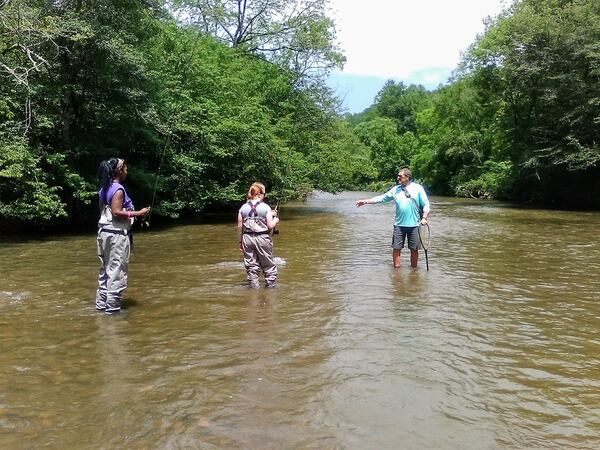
(494, 347)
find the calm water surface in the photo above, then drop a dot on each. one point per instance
(497, 346)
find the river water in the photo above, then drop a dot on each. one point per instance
(496, 346)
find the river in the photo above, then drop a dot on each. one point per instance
(496, 346)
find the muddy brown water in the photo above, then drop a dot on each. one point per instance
(497, 346)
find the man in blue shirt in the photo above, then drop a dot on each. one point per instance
(410, 199)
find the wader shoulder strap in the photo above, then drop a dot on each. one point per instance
(253, 212)
(254, 217)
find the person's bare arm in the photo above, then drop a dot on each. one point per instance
(271, 221)
(116, 206)
(366, 201)
(240, 223)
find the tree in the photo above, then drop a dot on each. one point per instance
(388, 150)
(458, 136)
(75, 113)
(542, 58)
(197, 119)
(401, 103)
(294, 34)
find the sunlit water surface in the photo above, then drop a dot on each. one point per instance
(497, 346)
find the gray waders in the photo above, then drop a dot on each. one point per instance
(258, 256)
(113, 251)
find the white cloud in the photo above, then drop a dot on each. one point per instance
(395, 38)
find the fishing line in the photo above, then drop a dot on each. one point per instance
(283, 184)
(425, 239)
(170, 125)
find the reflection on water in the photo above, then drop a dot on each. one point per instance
(495, 347)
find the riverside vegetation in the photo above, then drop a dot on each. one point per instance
(207, 96)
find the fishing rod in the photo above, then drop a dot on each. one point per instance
(275, 230)
(424, 239)
(287, 170)
(170, 125)
(283, 183)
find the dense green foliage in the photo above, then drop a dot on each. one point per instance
(197, 120)
(519, 121)
(295, 34)
(204, 102)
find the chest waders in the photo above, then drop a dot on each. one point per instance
(257, 247)
(255, 219)
(114, 243)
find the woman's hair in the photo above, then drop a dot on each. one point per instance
(255, 190)
(106, 173)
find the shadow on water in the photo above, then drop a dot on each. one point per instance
(129, 303)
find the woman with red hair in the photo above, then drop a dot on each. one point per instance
(255, 222)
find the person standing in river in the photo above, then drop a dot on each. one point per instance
(114, 232)
(411, 200)
(255, 222)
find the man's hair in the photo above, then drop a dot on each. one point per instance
(406, 171)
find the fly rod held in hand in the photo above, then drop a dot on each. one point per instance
(275, 213)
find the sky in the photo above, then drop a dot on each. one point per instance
(414, 41)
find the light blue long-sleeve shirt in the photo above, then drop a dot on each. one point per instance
(407, 212)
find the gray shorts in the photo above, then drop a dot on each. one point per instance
(401, 234)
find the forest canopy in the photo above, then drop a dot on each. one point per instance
(520, 119)
(197, 118)
(203, 97)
